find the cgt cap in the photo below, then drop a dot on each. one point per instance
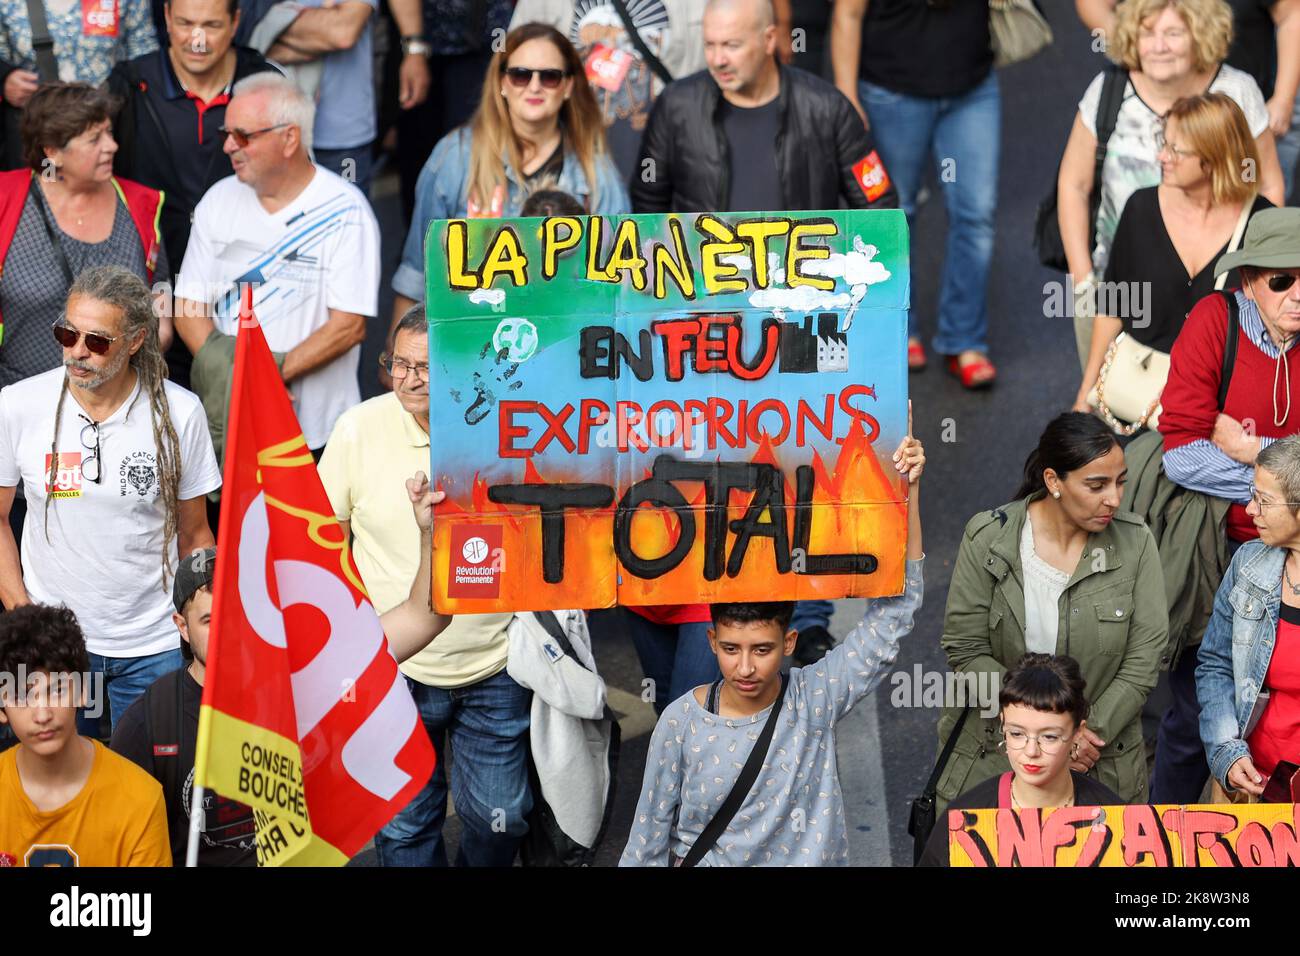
(195, 571)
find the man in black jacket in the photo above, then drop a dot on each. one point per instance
(168, 130)
(749, 134)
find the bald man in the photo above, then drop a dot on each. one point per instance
(748, 134)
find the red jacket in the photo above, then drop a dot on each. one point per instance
(144, 205)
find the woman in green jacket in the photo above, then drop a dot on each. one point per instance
(1060, 570)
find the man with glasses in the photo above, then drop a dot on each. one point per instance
(303, 238)
(459, 681)
(115, 462)
(1210, 445)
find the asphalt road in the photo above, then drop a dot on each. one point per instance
(886, 751)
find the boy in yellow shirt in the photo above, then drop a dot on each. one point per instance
(66, 800)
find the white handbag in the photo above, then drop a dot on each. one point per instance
(1133, 376)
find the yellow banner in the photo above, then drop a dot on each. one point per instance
(1248, 835)
(260, 768)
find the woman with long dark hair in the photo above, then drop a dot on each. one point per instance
(1060, 570)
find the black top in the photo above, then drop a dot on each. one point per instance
(168, 138)
(148, 735)
(926, 47)
(984, 796)
(751, 142)
(1254, 41)
(1145, 270)
(547, 174)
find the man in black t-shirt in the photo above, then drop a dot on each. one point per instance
(158, 732)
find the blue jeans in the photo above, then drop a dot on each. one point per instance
(126, 679)
(810, 613)
(1288, 151)
(674, 657)
(354, 165)
(963, 134)
(488, 726)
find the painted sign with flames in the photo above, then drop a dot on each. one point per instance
(667, 409)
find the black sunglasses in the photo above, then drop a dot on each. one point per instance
(67, 336)
(1278, 282)
(243, 137)
(521, 76)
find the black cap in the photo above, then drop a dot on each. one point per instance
(195, 571)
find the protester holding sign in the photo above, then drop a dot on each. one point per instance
(1248, 679)
(1043, 712)
(1060, 570)
(698, 805)
(537, 125)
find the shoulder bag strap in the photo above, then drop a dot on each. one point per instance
(1229, 347)
(47, 67)
(52, 231)
(634, 35)
(1112, 98)
(744, 783)
(1004, 791)
(1235, 241)
(932, 785)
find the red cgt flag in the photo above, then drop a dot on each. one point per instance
(305, 717)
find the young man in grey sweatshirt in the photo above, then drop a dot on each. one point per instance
(794, 813)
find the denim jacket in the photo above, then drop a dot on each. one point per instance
(1236, 651)
(442, 192)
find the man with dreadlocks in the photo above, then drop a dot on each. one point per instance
(115, 462)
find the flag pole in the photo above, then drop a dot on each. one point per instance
(196, 827)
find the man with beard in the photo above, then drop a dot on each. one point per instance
(115, 462)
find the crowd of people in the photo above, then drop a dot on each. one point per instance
(161, 159)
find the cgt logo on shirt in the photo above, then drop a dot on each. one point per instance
(67, 475)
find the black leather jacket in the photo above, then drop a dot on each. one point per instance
(685, 163)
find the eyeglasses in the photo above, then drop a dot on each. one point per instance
(1261, 503)
(243, 137)
(1162, 143)
(68, 337)
(398, 368)
(1048, 743)
(1280, 281)
(93, 458)
(521, 76)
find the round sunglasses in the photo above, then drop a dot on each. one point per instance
(521, 76)
(68, 337)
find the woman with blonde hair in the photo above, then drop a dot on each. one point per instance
(1167, 50)
(537, 124)
(1169, 236)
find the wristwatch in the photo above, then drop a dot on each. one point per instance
(416, 44)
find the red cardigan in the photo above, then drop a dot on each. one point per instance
(1190, 398)
(144, 205)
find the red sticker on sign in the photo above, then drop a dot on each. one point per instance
(477, 561)
(99, 18)
(870, 173)
(606, 66)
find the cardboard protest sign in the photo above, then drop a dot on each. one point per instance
(667, 409)
(1215, 835)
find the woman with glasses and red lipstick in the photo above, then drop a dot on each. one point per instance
(1060, 570)
(537, 126)
(1214, 428)
(1043, 714)
(1248, 678)
(64, 213)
